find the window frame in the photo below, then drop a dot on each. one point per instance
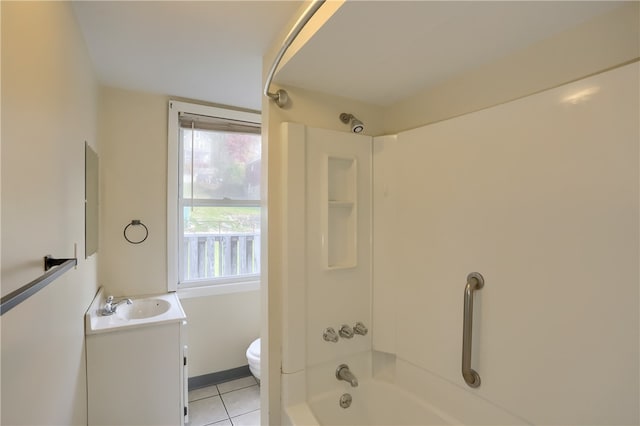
(174, 224)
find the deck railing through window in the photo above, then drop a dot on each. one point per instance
(209, 255)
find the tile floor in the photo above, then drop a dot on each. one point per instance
(234, 403)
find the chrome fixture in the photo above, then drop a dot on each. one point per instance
(356, 125)
(346, 331)
(280, 97)
(360, 329)
(343, 373)
(475, 281)
(110, 306)
(345, 400)
(330, 335)
(21, 294)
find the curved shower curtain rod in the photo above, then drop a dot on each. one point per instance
(281, 97)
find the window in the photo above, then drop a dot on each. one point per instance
(213, 189)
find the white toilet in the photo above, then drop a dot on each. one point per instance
(253, 357)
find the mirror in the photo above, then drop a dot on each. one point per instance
(90, 201)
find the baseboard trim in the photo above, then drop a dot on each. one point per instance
(218, 377)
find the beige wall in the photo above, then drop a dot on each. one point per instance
(133, 140)
(599, 44)
(220, 329)
(49, 103)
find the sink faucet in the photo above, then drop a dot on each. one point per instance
(343, 373)
(110, 306)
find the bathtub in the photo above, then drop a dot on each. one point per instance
(374, 402)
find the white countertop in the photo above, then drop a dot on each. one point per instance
(95, 322)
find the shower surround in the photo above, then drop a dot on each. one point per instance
(539, 195)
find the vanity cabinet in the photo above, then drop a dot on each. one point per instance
(137, 375)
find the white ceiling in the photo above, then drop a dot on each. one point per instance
(383, 51)
(375, 51)
(203, 50)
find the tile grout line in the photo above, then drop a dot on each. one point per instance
(224, 405)
(249, 412)
(220, 395)
(204, 397)
(246, 387)
(242, 414)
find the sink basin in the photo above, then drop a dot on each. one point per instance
(144, 311)
(142, 308)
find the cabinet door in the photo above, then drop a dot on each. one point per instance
(185, 382)
(135, 376)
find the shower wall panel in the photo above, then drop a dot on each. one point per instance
(326, 244)
(387, 250)
(540, 195)
(338, 203)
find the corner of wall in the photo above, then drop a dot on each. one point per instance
(597, 45)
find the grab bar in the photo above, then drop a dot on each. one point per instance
(475, 281)
(18, 296)
(281, 97)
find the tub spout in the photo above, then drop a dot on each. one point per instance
(343, 373)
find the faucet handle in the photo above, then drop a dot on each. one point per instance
(107, 309)
(346, 331)
(360, 329)
(330, 335)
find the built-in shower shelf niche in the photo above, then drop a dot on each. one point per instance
(342, 214)
(342, 179)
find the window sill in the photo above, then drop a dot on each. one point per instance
(218, 289)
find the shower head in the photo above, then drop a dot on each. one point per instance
(356, 125)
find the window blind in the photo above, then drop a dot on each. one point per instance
(203, 122)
